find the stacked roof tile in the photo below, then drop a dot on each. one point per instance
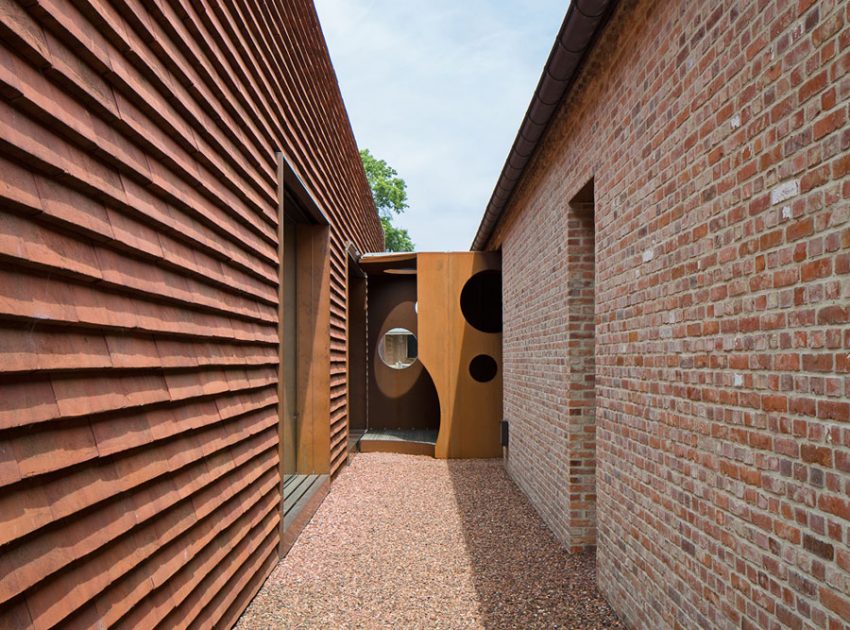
(139, 481)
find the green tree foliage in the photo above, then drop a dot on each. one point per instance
(390, 194)
(395, 239)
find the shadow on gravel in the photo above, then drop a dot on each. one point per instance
(524, 578)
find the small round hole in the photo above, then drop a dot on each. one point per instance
(483, 368)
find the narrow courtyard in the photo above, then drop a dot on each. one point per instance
(408, 541)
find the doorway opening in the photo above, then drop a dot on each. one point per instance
(581, 354)
(358, 362)
(403, 406)
(304, 351)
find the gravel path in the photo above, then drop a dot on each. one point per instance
(406, 541)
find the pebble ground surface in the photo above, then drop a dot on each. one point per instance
(407, 541)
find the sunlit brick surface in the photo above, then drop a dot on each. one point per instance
(717, 136)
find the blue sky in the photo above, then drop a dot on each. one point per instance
(438, 89)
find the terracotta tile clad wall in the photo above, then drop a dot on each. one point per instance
(319, 119)
(139, 481)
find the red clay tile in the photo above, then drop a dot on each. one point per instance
(56, 599)
(33, 243)
(114, 435)
(10, 85)
(156, 498)
(134, 234)
(182, 452)
(40, 95)
(16, 616)
(131, 351)
(171, 525)
(213, 381)
(180, 554)
(216, 231)
(115, 150)
(72, 208)
(68, 67)
(262, 377)
(68, 350)
(247, 449)
(17, 347)
(77, 396)
(193, 416)
(18, 186)
(43, 555)
(178, 353)
(110, 309)
(30, 296)
(9, 471)
(35, 559)
(77, 26)
(56, 448)
(140, 467)
(237, 379)
(26, 402)
(21, 512)
(81, 488)
(16, 19)
(182, 385)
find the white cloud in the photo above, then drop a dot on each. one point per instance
(438, 88)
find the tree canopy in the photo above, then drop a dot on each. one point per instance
(390, 194)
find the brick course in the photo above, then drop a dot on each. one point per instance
(716, 135)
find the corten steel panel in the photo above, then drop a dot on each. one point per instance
(139, 478)
(470, 410)
(398, 398)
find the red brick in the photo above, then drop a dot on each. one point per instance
(833, 315)
(836, 603)
(828, 124)
(800, 229)
(820, 455)
(774, 403)
(816, 270)
(817, 362)
(834, 410)
(834, 505)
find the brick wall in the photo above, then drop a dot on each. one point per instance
(717, 137)
(535, 348)
(139, 478)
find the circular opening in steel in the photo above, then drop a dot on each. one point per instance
(398, 348)
(483, 368)
(481, 301)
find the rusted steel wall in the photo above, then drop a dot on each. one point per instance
(138, 297)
